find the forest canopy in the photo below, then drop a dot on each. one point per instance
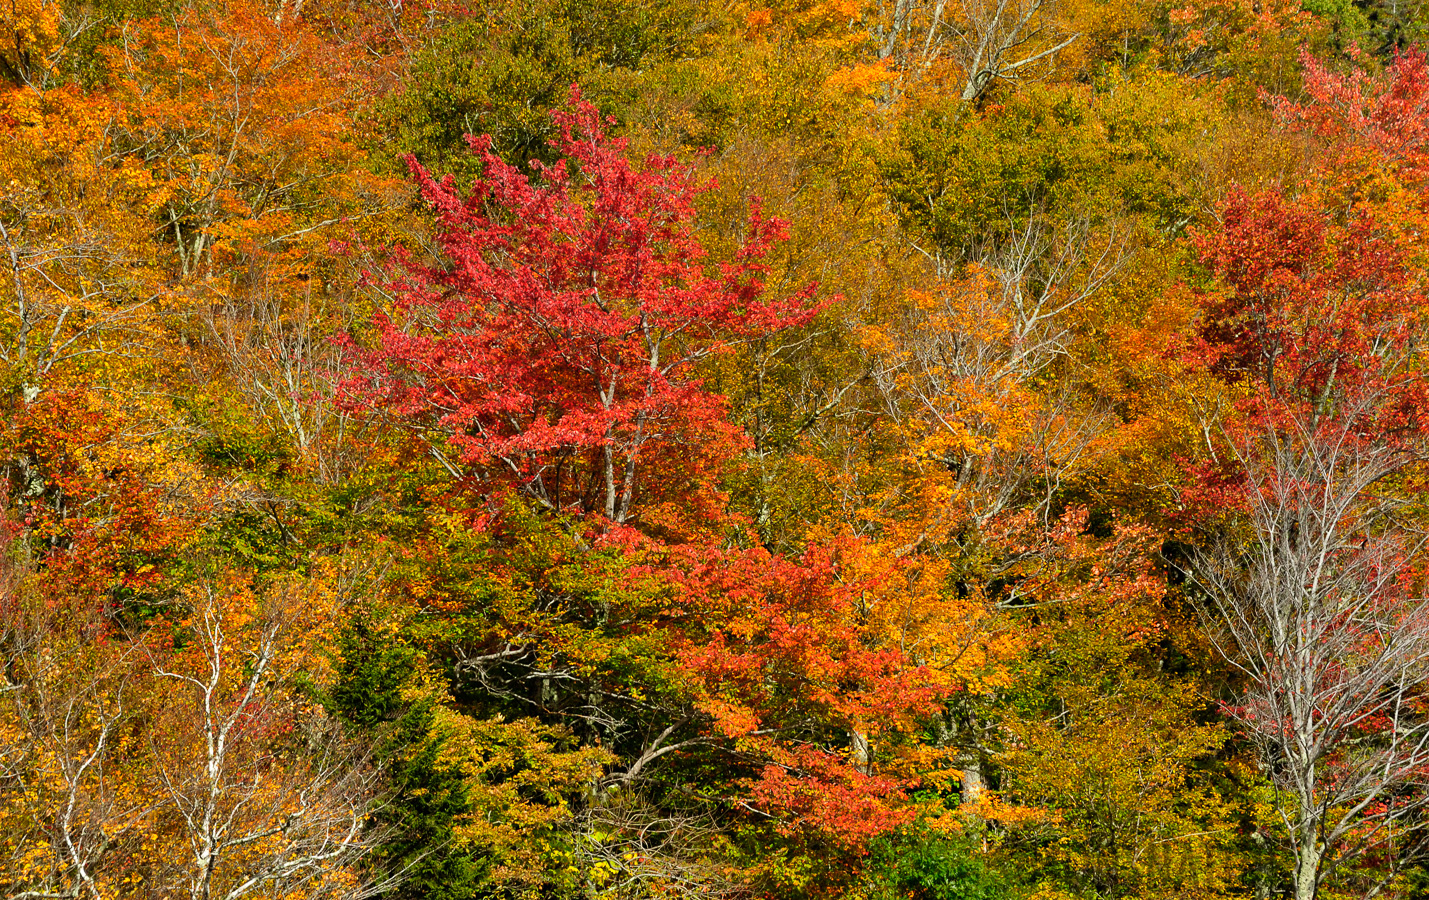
(768, 449)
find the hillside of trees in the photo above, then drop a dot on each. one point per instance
(710, 449)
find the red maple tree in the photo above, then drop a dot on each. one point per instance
(556, 345)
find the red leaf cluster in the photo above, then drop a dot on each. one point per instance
(557, 346)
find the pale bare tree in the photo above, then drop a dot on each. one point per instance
(987, 40)
(276, 342)
(1312, 601)
(631, 848)
(67, 805)
(180, 759)
(63, 727)
(259, 815)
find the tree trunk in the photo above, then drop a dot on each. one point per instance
(860, 753)
(973, 782)
(1307, 870)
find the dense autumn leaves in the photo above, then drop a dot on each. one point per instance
(592, 449)
(559, 344)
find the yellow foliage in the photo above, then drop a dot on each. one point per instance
(860, 80)
(32, 30)
(85, 286)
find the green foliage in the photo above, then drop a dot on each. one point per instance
(425, 798)
(233, 442)
(919, 863)
(503, 71)
(589, 632)
(970, 181)
(1108, 742)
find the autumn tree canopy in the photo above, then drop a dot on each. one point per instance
(594, 450)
